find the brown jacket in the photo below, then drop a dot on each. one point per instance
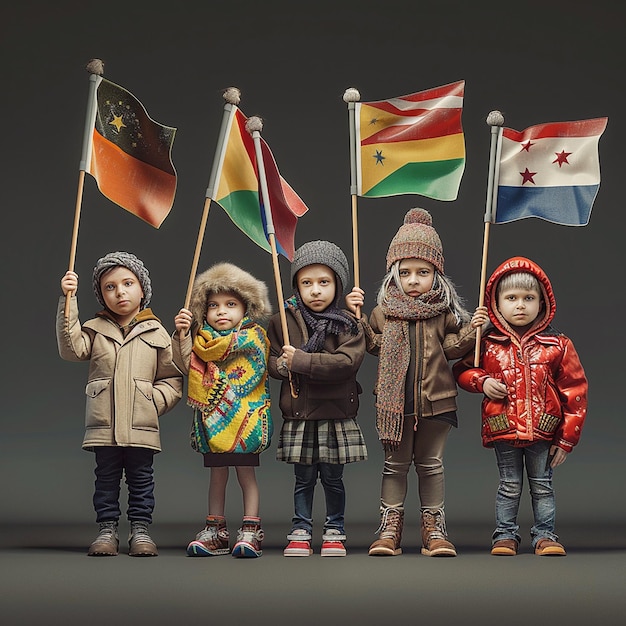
(132, 380)
(325, 381)
(438, 340)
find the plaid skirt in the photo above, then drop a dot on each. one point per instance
(321, 441)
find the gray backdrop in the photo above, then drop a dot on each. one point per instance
(535, 61)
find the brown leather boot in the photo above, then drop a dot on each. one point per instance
(390, 529)
(434, 536)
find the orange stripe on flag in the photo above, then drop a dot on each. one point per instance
(143, 190)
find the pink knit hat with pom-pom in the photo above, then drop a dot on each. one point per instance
(416, 239)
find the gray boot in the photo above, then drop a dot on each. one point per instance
(107, 542)
(139, 542)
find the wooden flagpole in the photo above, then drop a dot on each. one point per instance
(351, 96)
(96, 68)
(232, 95)
(495, 120)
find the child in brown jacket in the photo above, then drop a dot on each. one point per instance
(319, 396)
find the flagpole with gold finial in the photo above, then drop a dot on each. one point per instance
(232, 96)
(351, 96)
(95, 67)
(495, 120)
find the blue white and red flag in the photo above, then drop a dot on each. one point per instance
(550, 171)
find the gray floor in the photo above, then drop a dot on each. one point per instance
(45, 577)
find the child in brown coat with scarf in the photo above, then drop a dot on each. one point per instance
(319, 396)
(417, 327)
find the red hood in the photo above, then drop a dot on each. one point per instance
(520, 264)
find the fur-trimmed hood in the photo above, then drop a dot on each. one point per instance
(223, 277)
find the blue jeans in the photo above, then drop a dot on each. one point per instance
(511, 461)
(331, 477)
(136, 464)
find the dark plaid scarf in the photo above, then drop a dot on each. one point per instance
(331, 321)
(394, 357)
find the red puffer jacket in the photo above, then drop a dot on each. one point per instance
(547, 385)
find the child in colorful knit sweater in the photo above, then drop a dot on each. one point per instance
(223, 349)
(418, 326)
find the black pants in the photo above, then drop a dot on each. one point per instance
(136, 465)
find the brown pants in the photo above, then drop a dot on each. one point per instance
(424, 447)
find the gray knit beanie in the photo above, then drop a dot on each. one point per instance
(326, 253)
(416, 239)
(131, 262)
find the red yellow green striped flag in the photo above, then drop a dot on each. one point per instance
(411, 144)
(238, 189)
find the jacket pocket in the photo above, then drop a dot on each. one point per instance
(548, 424)
(98, 410)
(496, 425)
(144, 410)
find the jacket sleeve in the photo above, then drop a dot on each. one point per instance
(340, 364)
(373, 330)
(181, 350)
(168, 380)
(73, 342)
(572, 385)
(275, 337)
(458, 339)
(467, 376)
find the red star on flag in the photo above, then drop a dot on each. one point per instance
(526, 145)
(527, 177)
(561, 157)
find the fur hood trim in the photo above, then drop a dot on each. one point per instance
(223, 277)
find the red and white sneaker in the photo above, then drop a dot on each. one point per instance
(299, 543)
(332, 543)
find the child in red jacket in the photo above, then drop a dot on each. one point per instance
(535, 399)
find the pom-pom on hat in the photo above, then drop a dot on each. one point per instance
(131, 262)
(323, 252)
(416, 239)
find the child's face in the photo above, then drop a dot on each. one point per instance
(317, 286)
(519, 307)
(224, 310)
(416, 276)
(122, 293)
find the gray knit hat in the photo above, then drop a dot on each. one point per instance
(323, 252)
(131, 262)
(416, 239)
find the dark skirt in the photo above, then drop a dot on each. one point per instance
(230, 459)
